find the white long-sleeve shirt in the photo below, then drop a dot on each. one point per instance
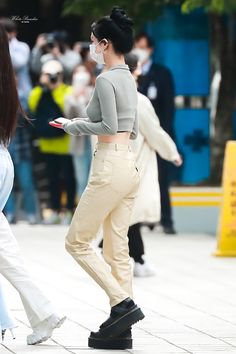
(20, 55)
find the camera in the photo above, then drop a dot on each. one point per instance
(51, 40)
(54, 78)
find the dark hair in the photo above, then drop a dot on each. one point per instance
(8, 92)
(9, 25)
(118, 28)
(132, 61)
(141, 35)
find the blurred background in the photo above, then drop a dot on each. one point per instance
(194, 39)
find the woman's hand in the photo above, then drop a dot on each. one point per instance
(178, 161)
(58, 122)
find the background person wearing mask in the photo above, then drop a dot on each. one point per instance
(156, 83)
(75, 106)
(46, 102)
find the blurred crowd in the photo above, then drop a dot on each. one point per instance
(54, 79)
(51, 168)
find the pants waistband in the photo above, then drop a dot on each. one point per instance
(113, 147)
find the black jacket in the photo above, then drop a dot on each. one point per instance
(158, 85)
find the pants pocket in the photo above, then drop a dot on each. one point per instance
(102, 172)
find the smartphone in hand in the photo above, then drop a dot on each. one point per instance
(57, 123)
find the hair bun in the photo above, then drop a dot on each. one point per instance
(120, 17)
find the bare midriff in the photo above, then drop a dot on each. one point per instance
(119, 138)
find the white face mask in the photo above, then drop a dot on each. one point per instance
(143, 54)
(81, 79)
(98, 57)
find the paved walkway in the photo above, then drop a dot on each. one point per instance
(190, 305)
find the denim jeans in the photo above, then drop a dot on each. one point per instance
(24, 175)
(82, 165)
(37, 306)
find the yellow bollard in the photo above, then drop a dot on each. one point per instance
(226, 236)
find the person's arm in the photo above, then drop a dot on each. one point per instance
(73, 108)
(134, 132)
(109, 123)
(20, 54)
(155, 136)
(35, 60)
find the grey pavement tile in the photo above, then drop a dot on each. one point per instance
(181, 303)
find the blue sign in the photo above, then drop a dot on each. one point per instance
(182, 44)
(191, 128)
(188, 61)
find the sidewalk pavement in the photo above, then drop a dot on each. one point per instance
(190, 305)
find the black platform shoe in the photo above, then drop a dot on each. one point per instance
(122, 341)
(122, 317)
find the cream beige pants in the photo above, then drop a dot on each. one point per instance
(107, 200)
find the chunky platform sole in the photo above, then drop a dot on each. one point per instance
(110, 343)
(122, 323)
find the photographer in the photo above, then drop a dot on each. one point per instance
(51, 46)
(46, 102)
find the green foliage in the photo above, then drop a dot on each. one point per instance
(141, 10)
(214, 6)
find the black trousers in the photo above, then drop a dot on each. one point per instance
(136, 246)
(60, 171)
(163, 173)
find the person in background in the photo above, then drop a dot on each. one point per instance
(156, 83)
(20, 151)
(46, 102)
(151, 139)
(54, 46)
(75, 106)
(39, 310)
(20, 56)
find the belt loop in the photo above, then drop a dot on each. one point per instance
(116, 147)
(129, 148)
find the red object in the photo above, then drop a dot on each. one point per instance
(55, 125)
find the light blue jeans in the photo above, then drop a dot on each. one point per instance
(6, 322)
(6, 183)
(82, 165)
(6, 176)
(37, 306)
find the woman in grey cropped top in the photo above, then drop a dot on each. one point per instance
(112, 108)
(113, 185)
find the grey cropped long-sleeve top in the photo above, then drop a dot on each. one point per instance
(112, 108)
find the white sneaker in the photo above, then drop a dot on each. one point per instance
(53, 219)
(66, 218)
(43, 331)
(143, 270)
(32, 219)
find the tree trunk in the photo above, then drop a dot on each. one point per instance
(226, 101)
